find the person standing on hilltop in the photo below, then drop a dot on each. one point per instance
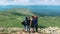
(34, 23)
(26, 24)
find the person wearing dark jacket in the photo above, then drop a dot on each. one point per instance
(34, 23)
(26, 24)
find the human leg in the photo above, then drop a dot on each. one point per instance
(28, 28)
(32, 30)
(36, 28)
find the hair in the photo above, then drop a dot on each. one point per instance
(34, 16)
(27, 17)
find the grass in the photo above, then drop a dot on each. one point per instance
(15, 21)
(50, 21)
(12, 19)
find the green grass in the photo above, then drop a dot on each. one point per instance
(15, 21)
(11, 18)
(11, 21)
(49, 21)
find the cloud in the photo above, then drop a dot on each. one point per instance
(20, 2)
(48, 2)
(3, 2)
(29, 2)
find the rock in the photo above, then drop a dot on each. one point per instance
(51, 30)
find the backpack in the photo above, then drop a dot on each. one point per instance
(23, 22)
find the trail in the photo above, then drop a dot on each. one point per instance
(27, 33)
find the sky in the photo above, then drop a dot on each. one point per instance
(29, 2)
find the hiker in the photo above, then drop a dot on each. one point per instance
(27, 24)
(34, 23)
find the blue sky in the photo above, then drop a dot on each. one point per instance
(29, 2)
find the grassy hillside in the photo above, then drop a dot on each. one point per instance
(47, 21)
(13, 18)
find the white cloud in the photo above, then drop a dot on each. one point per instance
(3, 2)
(48, 2)
(29, 2)
(21, 2)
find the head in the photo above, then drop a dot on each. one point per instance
(34, 16)
(27, 17)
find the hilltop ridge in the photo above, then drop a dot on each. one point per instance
(13, 17)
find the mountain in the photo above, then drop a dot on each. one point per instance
(19, 11)
(14, 17)
(47, 10)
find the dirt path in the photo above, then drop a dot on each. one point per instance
(27, 33)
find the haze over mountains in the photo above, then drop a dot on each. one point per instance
(49, 10)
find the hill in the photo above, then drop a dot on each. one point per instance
(47, 10)
(13, 17)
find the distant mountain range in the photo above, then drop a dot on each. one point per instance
(49, 10)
